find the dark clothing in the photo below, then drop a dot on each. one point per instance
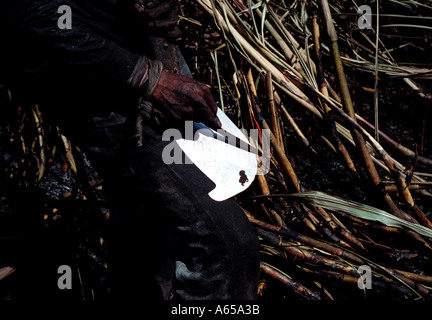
(159, 212)
(95, 58)
(95, 45)
(164, 210)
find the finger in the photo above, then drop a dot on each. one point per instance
(208, 116)
(210, 101)
(177, 112)
(211, 121)
(182, 113)
(215, 123)
(159, 10)
(212, 106)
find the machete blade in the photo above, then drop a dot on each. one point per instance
(232, 169)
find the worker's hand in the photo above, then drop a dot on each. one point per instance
(182, 98)
(159, 14)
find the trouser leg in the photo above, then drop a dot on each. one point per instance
(214, 248)
(165, 209)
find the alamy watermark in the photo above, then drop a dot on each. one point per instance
(365, 279)
(365, 20)
(65, 20)
(173, 154)
(65, 280)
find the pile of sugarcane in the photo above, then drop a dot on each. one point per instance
(289, 62)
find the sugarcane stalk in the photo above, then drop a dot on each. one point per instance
(311, 257)
(328, 143)
(42, 156)
(397, 146)
(298, 51)
(306, 219)
(391, 252)
(368, 224)
(282, 158)
(416, 277)
(287, 86)
(328, 232)
(292, 122)
(274, 116)
(299, 97)
(262, 182)
(328, 112)
(289, 54)
(306, 240)
(400, 182)
(339, 228)
(394, 188)
(399, 277)
(376, 100)
(20, 131)
(279, 176)
(332, 275)
(294, 179)
(277, 218)
(391, 205)
(259, 60)
(68, 150)
(333, 93)
(294, 125)
(348, 106)
(306, 255)
(367, 158)
(298, 288)
(280, 154)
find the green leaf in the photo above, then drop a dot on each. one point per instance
(360, 210)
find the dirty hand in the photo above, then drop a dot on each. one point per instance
(182, 98)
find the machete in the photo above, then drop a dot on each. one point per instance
(231, 168)
(227, 159)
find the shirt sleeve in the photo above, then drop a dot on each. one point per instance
(34, 25)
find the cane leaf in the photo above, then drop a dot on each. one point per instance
(360, 210)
